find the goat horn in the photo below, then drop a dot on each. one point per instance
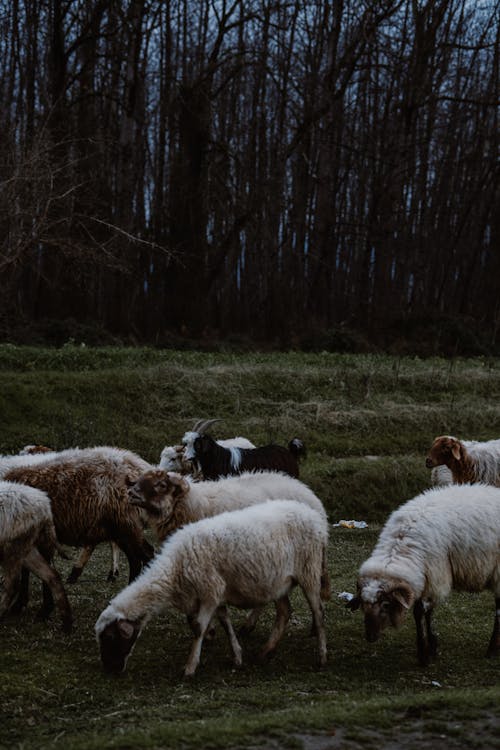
(202, 425)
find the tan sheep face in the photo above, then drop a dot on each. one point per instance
(443, 450)
(158, 492)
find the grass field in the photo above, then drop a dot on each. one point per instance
(367, 422)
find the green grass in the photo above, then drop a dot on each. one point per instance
(367, 422)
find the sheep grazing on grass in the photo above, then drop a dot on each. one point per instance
(89, 499)
(171, 501)
(446, 538)
(41, 454)
(213, 460)
(27, 538)
(245, 558)
(468, 461)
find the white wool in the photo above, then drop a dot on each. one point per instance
(23, 509)
(231, 493)
(441, 475)
(446, 538)
(250, 552)
(235, 457)
(486, 457)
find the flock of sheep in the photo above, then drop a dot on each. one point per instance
(237, 528)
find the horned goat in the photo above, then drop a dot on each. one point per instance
(173, 457)
(245, 558)
(446, 538)
(213, 460)
(468, 461)
(27, 538)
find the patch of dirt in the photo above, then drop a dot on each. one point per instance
(480, 734)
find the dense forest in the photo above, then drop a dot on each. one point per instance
(270, 169)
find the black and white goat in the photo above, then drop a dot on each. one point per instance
(214, 461)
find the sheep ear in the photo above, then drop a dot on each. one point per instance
(402, 596)
(125, 628)
(455, 451)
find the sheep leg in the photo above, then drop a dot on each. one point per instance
(80, 563)
(199, 625)
(426, 639)
(494, 645)
(313, 597)
(137, 551)
(35, 561)
(115, 561)
(23, 590)
(283, 612)
(11, 585)
(226, 623)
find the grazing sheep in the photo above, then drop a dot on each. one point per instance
(86, 552)
(171, 502)
(468, 461)
(446, 538)
(245, 558)
(27, 538)
(41, 454)
(213, 460)
(89, 499)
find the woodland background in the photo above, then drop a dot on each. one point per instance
(300, 174)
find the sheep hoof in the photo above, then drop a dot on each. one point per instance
(112, 576)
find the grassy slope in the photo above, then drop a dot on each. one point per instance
(52, 692)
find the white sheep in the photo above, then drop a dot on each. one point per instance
(244, 558)
(466, 461)
(27, 537)
(446, 538)
(171, 501)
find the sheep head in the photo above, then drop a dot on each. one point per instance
(116, 642)
(172, 458)
(383, 602)
(444, 450)
(157, 491)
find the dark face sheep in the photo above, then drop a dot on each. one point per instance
(382, 607)
(116, 643)
(445, 450)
